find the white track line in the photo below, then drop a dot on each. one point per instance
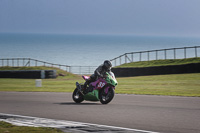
(43, 122)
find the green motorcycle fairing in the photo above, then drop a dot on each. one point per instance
(110, 79)
(94, 95)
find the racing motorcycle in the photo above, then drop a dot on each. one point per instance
(103, 89)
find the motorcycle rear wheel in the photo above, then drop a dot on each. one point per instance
(77, 96)
(106, 98)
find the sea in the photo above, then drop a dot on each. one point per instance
(84, 50)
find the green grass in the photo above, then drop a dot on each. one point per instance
(161, 62)
(173, 85)
(9, 128)
(48, 85)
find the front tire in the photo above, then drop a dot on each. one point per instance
(106, 98)
(77, 96)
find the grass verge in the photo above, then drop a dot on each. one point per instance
(170, 85)
(173, 85)
(160, 62)
(9, 128)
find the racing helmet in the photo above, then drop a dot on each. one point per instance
(107, 64)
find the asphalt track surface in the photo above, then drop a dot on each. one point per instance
(167, 114)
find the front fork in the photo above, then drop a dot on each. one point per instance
(78, 86)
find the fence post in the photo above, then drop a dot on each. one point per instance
(13, 62)
(174, 53)
(132, 57)
(120, 60)
(79, 69)
(18, 62)
(140, 56)
(125, 58)
(185, 52)
(156, 54)
(29, 62)
(148, 55)
(195, 51)
(165, 54)
(7, 62)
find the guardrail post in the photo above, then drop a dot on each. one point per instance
(174, 53)
(7, 62)
(125, 58)
(79, 69)
(18, 62)
(120, 60)
(13, 62)
(195, 51)
(29, 62)
(185, 52)
(132, 57)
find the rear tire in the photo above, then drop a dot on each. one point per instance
(77, 96)
(106, 98)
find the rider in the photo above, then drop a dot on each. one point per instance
(99, 72)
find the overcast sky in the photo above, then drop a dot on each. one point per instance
(137, 17)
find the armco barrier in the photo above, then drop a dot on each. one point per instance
(159, 70)
(30, 74)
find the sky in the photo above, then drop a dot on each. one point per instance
(135, 17)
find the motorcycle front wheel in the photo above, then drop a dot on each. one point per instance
(106, 98)
(77, 96)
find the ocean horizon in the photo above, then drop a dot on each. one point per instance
(84, 50)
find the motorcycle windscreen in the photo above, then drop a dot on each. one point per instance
(110, 79)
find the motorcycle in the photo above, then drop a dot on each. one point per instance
(103, 89)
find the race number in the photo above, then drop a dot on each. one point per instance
(101, 84)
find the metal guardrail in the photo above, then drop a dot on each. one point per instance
(28, 62)
(171, 53)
